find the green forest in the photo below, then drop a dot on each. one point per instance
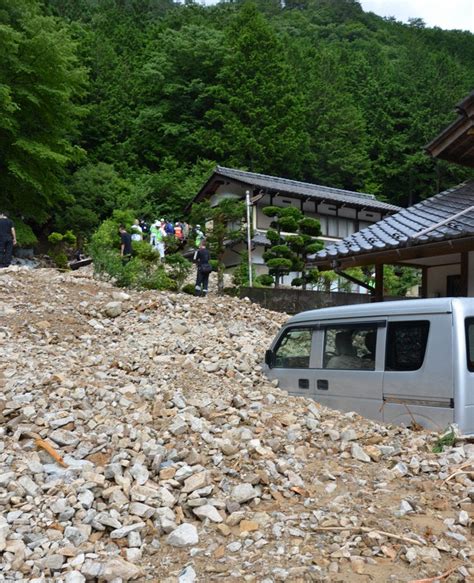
(129, 104)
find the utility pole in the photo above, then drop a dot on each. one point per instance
(249, 236)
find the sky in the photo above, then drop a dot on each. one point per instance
(446, 14)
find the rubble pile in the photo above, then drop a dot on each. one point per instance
(139, 440)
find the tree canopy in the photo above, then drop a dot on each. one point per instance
(41, 80)
(128, 105)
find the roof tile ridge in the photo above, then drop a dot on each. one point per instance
(310, 185)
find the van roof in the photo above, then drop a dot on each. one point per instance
(380, 309)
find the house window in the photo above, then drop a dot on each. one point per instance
(324, 225)
(406, 345)
(333, 230)
(338, 227)
(294, 349)
(346, 228)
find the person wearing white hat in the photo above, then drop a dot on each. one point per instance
(157, 238)
(199, 235)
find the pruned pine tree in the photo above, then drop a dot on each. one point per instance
(293, 238)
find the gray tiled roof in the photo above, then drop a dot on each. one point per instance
(428, 221)
(260, 238)
(306, 189)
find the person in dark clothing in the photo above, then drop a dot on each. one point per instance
(7, 239)
(202, 258)
(125, 244)
(145, 226)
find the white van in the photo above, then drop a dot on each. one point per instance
(406, 362)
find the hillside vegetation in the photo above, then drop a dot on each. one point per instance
(128, 104)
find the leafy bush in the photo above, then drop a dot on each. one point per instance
(448, 439)
(188, 289)
(273, 236)
(231, 291)
(179, 266)
(279, 263)
(272, 211)
(288, 224)
(143, 271)
(265, 280)
(60, 246)
(310, 226)
(314, 247)
(240, 275)
(24, 234)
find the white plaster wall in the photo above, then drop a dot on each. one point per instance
(436, 279)
(347, 212)
(370, 216)
(218, 196)
(309, 207)
(263, 222)
(326, 209)
(282, 200)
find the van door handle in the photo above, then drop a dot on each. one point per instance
(303, 383)
(322, 385)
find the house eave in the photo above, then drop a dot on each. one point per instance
(394, 256)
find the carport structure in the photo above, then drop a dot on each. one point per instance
(435, 235)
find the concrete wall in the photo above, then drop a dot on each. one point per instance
(437, 287)
(293, 301)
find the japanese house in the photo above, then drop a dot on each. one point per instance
(340, 212)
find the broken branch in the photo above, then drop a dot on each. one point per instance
(367, 529)
(52, 452)
(433, 579)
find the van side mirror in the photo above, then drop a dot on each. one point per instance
(270, 358)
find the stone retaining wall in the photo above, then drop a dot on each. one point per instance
(293, 301)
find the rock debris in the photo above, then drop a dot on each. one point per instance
(140, 441)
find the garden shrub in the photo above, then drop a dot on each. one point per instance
(188, 289)
(24, 234)
(143, 271)
(61, 245)
(178, 268)
(265, 280)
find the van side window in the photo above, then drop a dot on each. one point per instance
(406, 345)
(294, 349)
(470, 343)
(350, 348)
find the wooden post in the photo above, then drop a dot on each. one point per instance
(424, 282)
(379, 282)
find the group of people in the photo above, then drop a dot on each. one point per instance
(7, 239)
(159, 234)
